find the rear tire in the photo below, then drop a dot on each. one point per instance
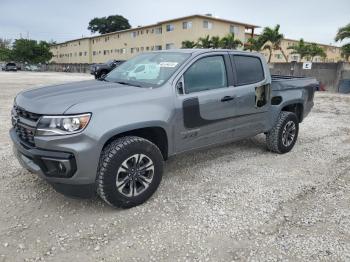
(129, 172)
(283, 136)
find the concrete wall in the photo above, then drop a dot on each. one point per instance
(328, 74)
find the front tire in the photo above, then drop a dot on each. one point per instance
(283, 136)
(129, 172)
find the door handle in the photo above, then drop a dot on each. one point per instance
(227, 98)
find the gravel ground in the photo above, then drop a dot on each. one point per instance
(236, 202)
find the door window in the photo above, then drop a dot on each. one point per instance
(206, 74)
(249, 69)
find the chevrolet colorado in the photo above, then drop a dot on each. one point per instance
(111, 136)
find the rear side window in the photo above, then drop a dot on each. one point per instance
(206, 74)
(249, 69)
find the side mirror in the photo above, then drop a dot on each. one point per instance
(180, 87)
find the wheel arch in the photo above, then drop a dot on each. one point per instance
(296, 107)
(156, 134)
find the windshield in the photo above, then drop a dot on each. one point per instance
(149, 69)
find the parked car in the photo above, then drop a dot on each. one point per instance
(31, 68)
(101, 70)
(113, 136)
(9, 67)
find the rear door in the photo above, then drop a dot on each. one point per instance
(252, 90)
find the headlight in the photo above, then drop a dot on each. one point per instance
(62, 125)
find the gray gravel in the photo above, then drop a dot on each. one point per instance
(235, 202)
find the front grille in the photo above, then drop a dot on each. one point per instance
(25, 134)
(27, 115)
(24, 123)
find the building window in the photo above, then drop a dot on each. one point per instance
(170, 46)
(85, 53)
(147, 48)
(133, 34)
(158, 47)
(207, 24)
(123, 50)
(234, 29)
(187, 25)
(170, 28)
(80, 53)
(158, 31)
(132, 50)
(147, 31)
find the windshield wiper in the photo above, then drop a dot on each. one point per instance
(128, 84)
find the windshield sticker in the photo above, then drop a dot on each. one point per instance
(168, 64)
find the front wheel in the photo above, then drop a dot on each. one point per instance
(129, 172)
(283, 136)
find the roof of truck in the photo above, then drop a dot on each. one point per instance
(206, 50)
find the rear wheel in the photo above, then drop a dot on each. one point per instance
(130, 171)
(283, 136)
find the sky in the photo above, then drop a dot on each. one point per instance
(313, 20)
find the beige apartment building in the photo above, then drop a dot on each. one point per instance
(162, 35)
(167, 34)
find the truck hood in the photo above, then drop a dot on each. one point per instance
(58, 99)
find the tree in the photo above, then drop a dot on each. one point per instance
(5, 51)
(343, 33)
(230, 42)
(26, 50)
(315, 50)
(108, 24)
(215, 42)
(188, 44)
(300, 48)
(345, 51)
(272, 38)
(254, 44)
(204, 42)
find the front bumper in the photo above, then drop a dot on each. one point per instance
(68, 160)
(45, 163)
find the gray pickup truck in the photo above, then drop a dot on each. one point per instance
(112, 136)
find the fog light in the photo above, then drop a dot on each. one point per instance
(61, 168)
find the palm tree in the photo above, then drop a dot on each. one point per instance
(188, 44)
(230, 42)
(204, 42)
(254, 44)
(316, 50)
(343, 32)
(345, 52)
(272, 38)
(300, 48)
(269, 48)
(215, 42)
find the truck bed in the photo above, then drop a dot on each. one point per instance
(285, 82)
(301, 89)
